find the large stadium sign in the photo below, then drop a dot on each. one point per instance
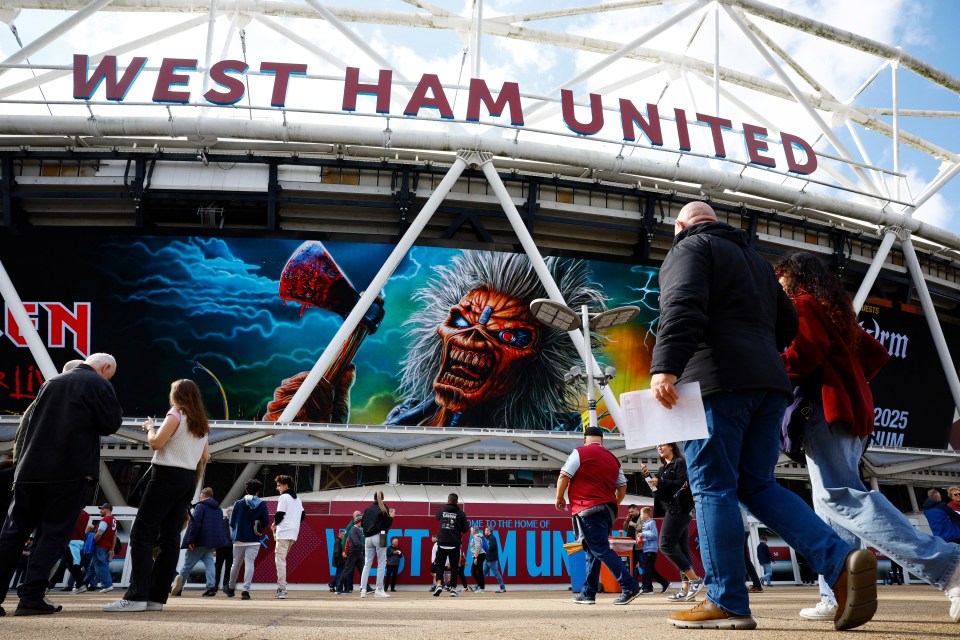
(172, 86)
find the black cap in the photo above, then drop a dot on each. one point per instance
(107, 505)
(593, 431)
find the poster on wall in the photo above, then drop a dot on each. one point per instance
(450, 341)
(913, 406)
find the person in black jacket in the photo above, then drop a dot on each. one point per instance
(376, 522)
(57, 463)
(724, 319)
(338, 559)
(673, 492)
(453, 524)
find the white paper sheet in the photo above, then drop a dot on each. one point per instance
(647, 423)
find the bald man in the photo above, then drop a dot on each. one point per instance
(724, 319)
(58, 463)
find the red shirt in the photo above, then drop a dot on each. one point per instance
(819, 353)
(106, 540)
(80, 529)
(594, 480)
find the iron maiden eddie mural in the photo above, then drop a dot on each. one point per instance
(451, 341)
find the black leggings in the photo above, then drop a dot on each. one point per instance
(476, 570)
(673, 541)
(451, 557)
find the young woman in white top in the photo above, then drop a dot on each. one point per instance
(179, 445)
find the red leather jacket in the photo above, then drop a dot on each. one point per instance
(819, 355)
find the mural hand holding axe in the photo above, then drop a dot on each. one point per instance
(312, 278)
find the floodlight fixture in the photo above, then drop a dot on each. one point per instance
(560, 316)
(555, 314)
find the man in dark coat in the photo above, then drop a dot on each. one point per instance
(58, 462)
(204, 535)
(724, 319)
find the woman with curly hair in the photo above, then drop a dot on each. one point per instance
(832, 359)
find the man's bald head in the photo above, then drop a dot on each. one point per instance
(694, 213)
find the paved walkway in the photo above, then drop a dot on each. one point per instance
(906, 612)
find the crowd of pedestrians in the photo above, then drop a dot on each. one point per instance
(755, 337)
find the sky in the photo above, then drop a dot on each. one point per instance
(924, 29)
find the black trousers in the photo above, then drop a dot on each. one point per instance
(224, 561)
(51, 509)
(674, 540)
(650, 573)
(453, 557)
(476, 570)
(390, 579)
(160, 518)
(352, 564)
(751, 570)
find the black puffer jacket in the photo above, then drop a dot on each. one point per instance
(724, 319)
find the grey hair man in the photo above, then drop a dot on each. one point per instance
(58, 462)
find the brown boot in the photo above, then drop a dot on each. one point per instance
(856, 590)
(708, 616)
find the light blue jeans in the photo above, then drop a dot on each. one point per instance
(767, 573)
(839, 497)
(737, 462)
(371, 548)
(101, 567)
(204, 555)
(492, 568)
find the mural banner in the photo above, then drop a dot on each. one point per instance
(450, 341)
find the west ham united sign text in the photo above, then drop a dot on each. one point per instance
(172, 86)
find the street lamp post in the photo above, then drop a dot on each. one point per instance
(560, 316)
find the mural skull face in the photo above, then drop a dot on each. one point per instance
(488, 338)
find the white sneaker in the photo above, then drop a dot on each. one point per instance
(80, 589)
(154, 606)
(380, 593)
(952, 588)
(694, 589)
(363, 593)
(126, 606)
(106, 590)
(825, 610)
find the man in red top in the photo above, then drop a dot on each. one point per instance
(103, 547)
(596, 487)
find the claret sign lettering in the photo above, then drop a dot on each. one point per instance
(173, 79)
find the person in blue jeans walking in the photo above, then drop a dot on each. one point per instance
(491, 563)
(834, 358)
(596, 486)
(765, 558)
(205, 533)
(724, 319)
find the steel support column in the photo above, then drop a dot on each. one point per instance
(29, 332)
(933, 322)
(376, 286)
(553, 291)
(236, 490)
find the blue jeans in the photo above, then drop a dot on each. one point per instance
(101, 567)
(492, 568)
(839, 497)
(737, 462)
(596, 539)
(204, 555)
(767, 573)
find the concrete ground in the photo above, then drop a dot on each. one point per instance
(911, 612)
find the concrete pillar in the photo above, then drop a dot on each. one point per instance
(394, 474)
(914, 507)
(250, 471)
(109, 486)
(463, 477)
(316, 477)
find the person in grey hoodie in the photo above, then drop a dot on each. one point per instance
(247, 524)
